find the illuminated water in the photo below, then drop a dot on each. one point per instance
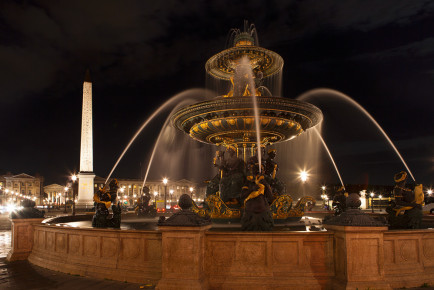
(244, 70)
(167, 126)
(321, 92)
(191, 93)
(330, 155)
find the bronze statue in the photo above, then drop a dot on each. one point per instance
(143, 208)
(257, 197)
(340, 201)
(232, 176)
(406, 211)
(271, 168)
(103, 199)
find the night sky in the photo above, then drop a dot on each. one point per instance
(141, 53)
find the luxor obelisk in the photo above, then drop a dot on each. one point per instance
(86, 175)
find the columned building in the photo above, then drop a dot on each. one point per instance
(18, 187)
(54, 192)
(131, 189)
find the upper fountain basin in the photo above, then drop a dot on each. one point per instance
(223, 64)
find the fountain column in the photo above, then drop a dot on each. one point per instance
(86, 175)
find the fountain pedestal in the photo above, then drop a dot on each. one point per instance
(358, 257)
(183, 257)
(22, 238)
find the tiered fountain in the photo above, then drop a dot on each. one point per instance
(247, 118)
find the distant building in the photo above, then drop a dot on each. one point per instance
(131, 189)
(53, 192)
(17, 187)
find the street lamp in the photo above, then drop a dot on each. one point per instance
(66, 191)
(380, 196)
(171, 196)
(303, 175)
(191, 192)
(372, 201)
(74, 192)
(323, 195)
(155, 199)
(165, 193)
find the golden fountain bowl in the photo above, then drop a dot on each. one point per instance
(232, 120)
(223, 64)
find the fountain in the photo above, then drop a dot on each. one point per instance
(187, 251)
(245, 120)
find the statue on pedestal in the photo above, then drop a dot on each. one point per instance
(340, 201)
(103, 199)
(271, 168)
(143, 208)
(257, 197)
(232, 176)
(406, 211)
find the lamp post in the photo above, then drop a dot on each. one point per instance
(191, 192)
(429, 192)
(171, 197)
(323, 196)
(380, 196)
(66, 191)
(74, 192)
(165, 193)
(372, 201)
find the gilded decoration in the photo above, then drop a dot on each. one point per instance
(281, 208)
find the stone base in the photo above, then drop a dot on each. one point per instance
(85, 190)
(354, 285)
(17, 256)
(176, 284)
(22, 238)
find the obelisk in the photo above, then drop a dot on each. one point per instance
(86, 175)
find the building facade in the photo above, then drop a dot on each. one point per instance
(54, 193)
(131, 189)
(14, 188)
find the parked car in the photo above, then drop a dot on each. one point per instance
(175, 208)
(429, 208)
(161, 210)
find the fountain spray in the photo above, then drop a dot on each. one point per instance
(340, 95)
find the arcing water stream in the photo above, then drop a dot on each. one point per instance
(330, 155)
(330, 92)
(191, 93)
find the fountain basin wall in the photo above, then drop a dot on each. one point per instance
(204, 258)
(124, 255)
